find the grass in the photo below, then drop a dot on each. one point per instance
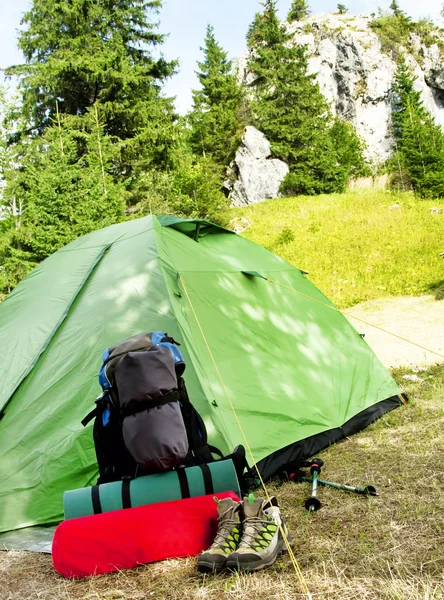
(385, 548)
(354, 247)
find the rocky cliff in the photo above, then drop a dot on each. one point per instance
(356, 76)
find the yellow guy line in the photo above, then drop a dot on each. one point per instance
(287, 544)
(353, 317)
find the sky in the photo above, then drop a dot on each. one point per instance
(185, 21)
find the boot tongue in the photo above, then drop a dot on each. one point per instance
(225, 505)
(253, 509)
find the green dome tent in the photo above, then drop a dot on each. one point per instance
(254, 331)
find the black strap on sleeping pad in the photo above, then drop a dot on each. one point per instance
(183, 482)
(126, 495)
(208, 479)
(95, 497)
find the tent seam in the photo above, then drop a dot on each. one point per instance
(56, 328)
(206, 385)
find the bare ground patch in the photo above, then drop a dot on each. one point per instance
(420, 320)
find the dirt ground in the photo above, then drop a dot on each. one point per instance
(420, 320)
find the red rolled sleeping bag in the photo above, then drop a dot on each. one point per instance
(124, 539)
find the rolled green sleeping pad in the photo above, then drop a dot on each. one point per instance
(206, 479)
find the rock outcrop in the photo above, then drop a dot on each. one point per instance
(253, 176)
(356, 76)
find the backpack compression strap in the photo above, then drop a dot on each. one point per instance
(136, 407)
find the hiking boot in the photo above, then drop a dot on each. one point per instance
(261, 542)
(227, 537)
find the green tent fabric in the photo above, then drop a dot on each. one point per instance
(297, 373)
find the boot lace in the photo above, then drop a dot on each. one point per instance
(226, 526)
(252, 528)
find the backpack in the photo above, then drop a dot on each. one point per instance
(144, 420)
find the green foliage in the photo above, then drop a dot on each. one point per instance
(394, 31)
(419, 157)
(79, 53)
(342, 145)
(349, 149)
(217, 117)
(191, 188)
(61, 195)
(352, 245)
(429, 34)
(394, 6)
(299, 10)
(404, 88)
(342, 9)
(290, 110)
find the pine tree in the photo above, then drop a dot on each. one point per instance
(419, 140)
(97, 51)
(406, 94)
(342, 9)
(299, 10)
(215, 119)
(289, 108)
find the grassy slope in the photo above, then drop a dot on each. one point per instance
(354, 247)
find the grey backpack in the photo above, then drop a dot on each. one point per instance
(153, 427)
(144, 421)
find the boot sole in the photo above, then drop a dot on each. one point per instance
(235, 565)
(209, 567)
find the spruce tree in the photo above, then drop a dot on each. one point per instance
(406, 94)
(289, 108)
(96, 51)
(299, 10)
(216, 121)
(419, 140)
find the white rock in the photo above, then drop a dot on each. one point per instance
(254, 177)
(394, 207)
(239, 225)
(255, 144)
(414, 378)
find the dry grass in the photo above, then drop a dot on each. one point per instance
(386, 548)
